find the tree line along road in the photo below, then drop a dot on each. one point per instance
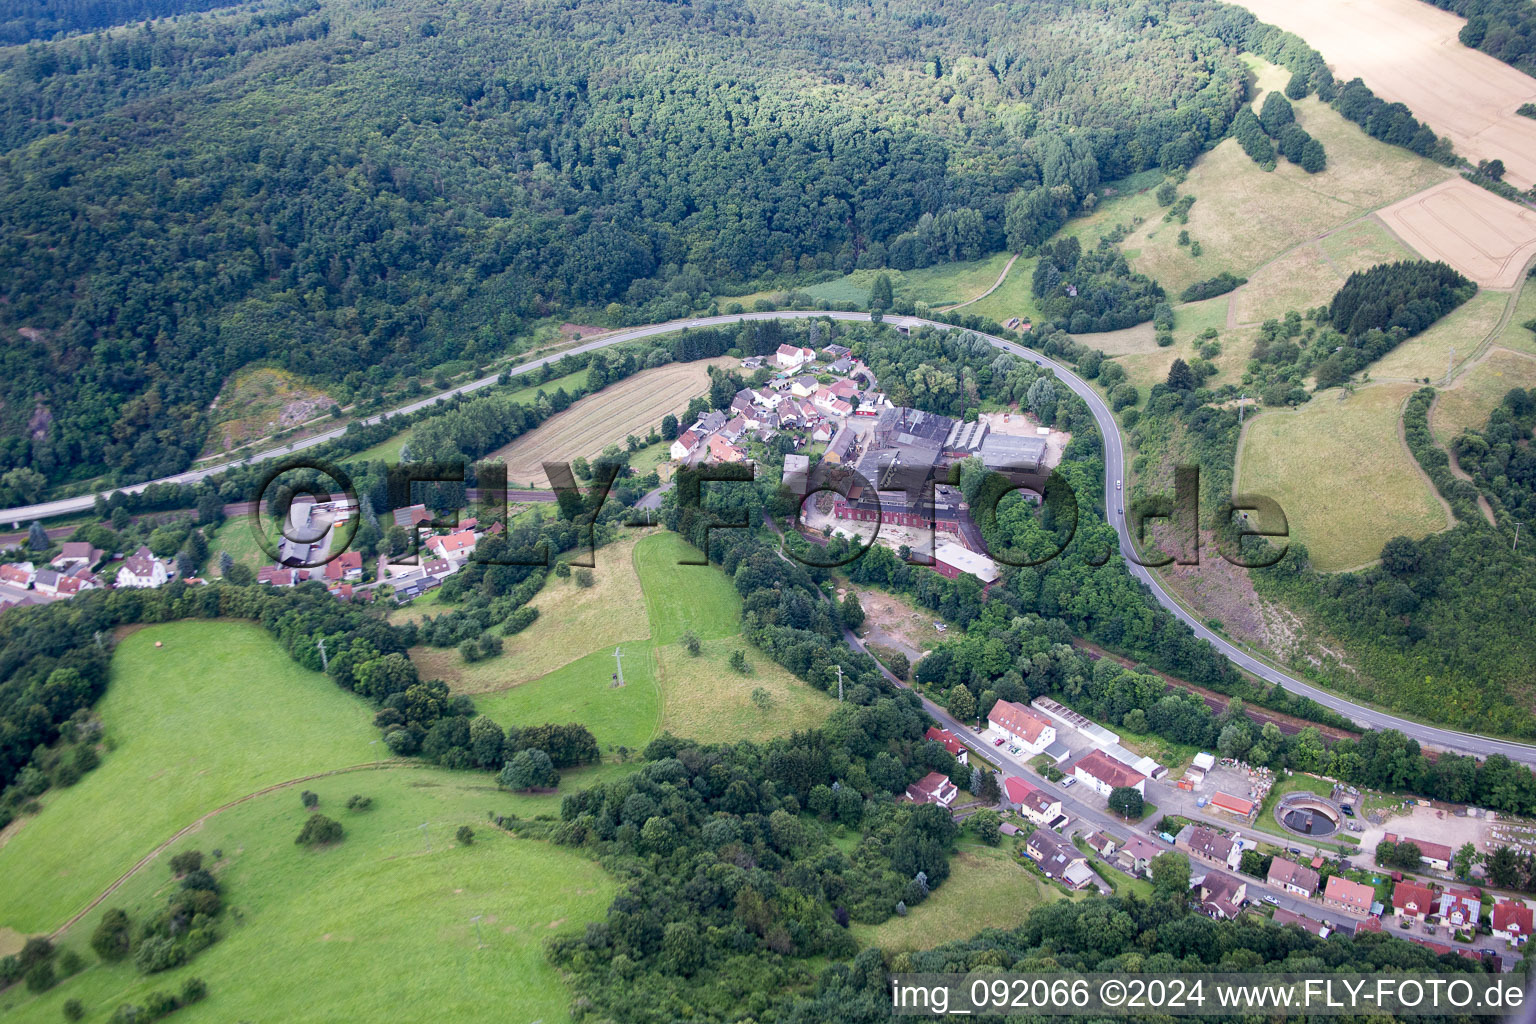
(1114, 470)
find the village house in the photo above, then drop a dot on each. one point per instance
(721, 450)
(20, 574)
(1353, 897)
(1021, 726)
(1102, 774)
(1058, 858)
(1034, 803)
(276, 576)
(1293, 877)
(1137, 855)
(1101, 843)
(1460, 908)
(78, 552)
(950, 742)
(142, 569)
(1222, 895)
(1306, 924)
(412, 515)
(455, 548)
(1410, 899)
(1209, 846)
(1511, 921)
(685, 443)
(790, 357)
(933, 788)
(804, 386)
(346, 566)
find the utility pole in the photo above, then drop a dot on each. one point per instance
(1517, 537)
(325, 663)
(1241, 405)
(1450, 362)
(426, 837)
(476, 920)
(839, 684)
(618, 658)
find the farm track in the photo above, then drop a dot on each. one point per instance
(152, 855)
(995, 285)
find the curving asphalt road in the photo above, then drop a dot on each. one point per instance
(1114, 463)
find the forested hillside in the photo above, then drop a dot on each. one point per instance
(362, 192)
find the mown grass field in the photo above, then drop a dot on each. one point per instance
(378, 927)
(1013, 297)
(706, 699)
(218, 712)
(684, 597)
(582, 691)
(1343, 476)
(942, 284)
(1482, 386)
(1245, 216)
(986, 888)
(632, 406)
(1455, 337)
(235, 537)
(1310, 274)
(571, 620)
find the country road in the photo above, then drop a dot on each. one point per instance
(1114, 463)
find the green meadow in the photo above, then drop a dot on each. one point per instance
(381, 926)
(216, 713)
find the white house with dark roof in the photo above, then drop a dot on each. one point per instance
(143, 569)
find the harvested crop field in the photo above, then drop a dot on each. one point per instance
(1487, 238)
(632, 406)
(1407, 51)
(1342, 474)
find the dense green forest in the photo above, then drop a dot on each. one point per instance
(362, 193)
(1505, 29)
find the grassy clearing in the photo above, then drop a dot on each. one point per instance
(943, 284)
(986, 888)
(1012, 298)
(582, 691)
(1345, 480)
(1148, 367)
(378, 927)
(1516, 336)
(571, 620)
(707, 699)
(1309, 275)
(1244, 216)
(235, 537)
(632, 406)
(1478, 390)
(1175, 756)
(218, 712)
(684, 597)
(1429, 354)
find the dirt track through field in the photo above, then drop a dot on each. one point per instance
(1408, 51)
(152, 855)
(632, 406)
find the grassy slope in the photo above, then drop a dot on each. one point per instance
(218, 712)
(376, 928)
(1345, 480)
(986, 888)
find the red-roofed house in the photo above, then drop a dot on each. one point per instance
(1036, 804)
(275, 576)
(1410, 899)
(454, 548)
(1511, 921)
(1103, 773)
(683, 445)
(1461, 908)
(933, 788)
(78, 552)
(722, 450)
(1342, 894)
(950, 742)
(1021, 725)
(19, 573)
(346, 566)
